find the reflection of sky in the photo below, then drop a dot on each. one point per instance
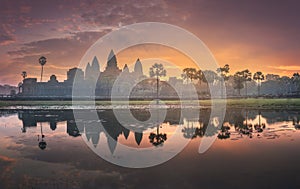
(67, 160)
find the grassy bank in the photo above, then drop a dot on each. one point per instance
(285, 103)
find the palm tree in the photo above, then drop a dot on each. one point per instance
(296, 81)
(224, 71)
(157, 70)
(247, 77)
(199, 76)
(42, 61)
(24, 74)
(189, 73)
(238, 81)
(209, 78)
(285, 84)
(258, 76)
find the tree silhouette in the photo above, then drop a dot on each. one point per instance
(42, 61)
(199, 76)
(189, 73)
(238, 81)
(258, 76)
(296, 81)
(24, 74)
(157, 70)
(224, 71)
(246, 77)
(209, 78)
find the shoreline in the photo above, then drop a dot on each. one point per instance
(259, 103)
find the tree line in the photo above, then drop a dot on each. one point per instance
(238, 81)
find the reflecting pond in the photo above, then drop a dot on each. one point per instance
(51, 149)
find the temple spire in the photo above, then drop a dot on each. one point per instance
(138, 68)
(111, 60)
(95, 64)
(126, 69)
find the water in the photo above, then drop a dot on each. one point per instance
(49, 149)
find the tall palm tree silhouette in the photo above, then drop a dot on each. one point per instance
(223, 71)
(258, 76)
(157, 70)
(42, 61)
(246, 77)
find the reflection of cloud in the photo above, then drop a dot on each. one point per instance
(6, 159)
(6, 166)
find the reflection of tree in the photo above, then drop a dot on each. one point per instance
(158, 138)
(240, 127)
(42, 143)
(246, 128)
(188, 132)
(203, 128)
(296, 123)
(200, 131)
(260, 126)
(224, 132)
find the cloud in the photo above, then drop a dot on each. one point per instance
(6, 35)
(294, 68)
(113, 12)
(238, 32)
(62, 54)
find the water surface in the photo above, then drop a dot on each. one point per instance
(47, 149)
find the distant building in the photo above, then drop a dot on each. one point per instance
(52, 88)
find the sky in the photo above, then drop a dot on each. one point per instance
(261, 35)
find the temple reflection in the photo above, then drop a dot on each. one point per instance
(237, 123)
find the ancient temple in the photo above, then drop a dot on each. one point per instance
(108, 76)
(93, 83)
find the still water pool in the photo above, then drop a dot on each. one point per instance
(50, 149)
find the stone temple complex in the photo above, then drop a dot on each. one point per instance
(93, 82)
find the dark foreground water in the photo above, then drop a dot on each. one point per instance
(49, 149)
